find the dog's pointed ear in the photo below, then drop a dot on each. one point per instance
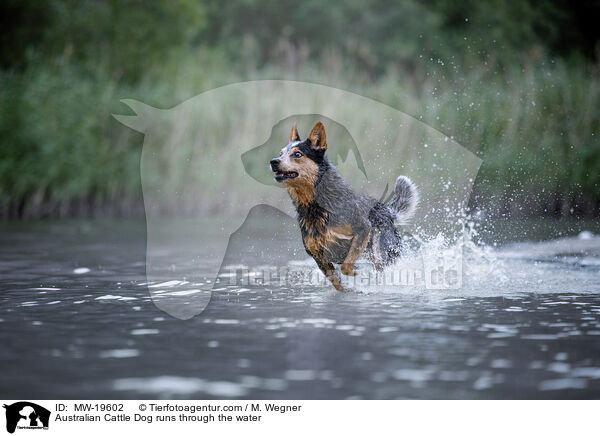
(317, 137)
(294, 135)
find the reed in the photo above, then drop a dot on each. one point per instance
(535, 124)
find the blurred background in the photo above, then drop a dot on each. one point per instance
(517, 83)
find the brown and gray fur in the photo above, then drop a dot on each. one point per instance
(338, 225)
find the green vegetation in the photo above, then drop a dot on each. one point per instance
(505, 79)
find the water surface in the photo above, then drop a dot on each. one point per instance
(77, 321)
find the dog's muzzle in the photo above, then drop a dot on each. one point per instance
(281, 176)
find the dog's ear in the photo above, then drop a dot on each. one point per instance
(294, 135)
(317, 137)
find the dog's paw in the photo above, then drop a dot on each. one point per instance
(348, 269)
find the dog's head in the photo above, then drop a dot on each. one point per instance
(299, 160)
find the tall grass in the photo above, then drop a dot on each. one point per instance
(535, 124)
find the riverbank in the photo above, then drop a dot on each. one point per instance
(534, 125)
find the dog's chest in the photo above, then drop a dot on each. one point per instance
(312, 219)
(327, 243)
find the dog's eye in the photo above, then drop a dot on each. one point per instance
(297, 154)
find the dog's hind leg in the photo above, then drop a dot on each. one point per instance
(359, 243)
(375, 254)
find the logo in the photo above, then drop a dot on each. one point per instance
(26, 415)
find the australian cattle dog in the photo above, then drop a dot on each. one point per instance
(337, 224)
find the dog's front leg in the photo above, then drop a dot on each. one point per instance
(359, 243)
(329, 270)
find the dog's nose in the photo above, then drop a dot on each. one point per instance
(274, 164)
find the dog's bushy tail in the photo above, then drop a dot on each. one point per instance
(405, 198)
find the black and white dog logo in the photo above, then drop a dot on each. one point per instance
(26, 415)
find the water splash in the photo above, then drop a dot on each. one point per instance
(445, 264)
(463, 265)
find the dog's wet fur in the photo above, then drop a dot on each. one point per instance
(337, 224)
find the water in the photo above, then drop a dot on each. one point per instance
(77, 321)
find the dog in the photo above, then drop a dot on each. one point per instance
(337, 224)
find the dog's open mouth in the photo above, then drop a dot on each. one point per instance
(281, 176)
